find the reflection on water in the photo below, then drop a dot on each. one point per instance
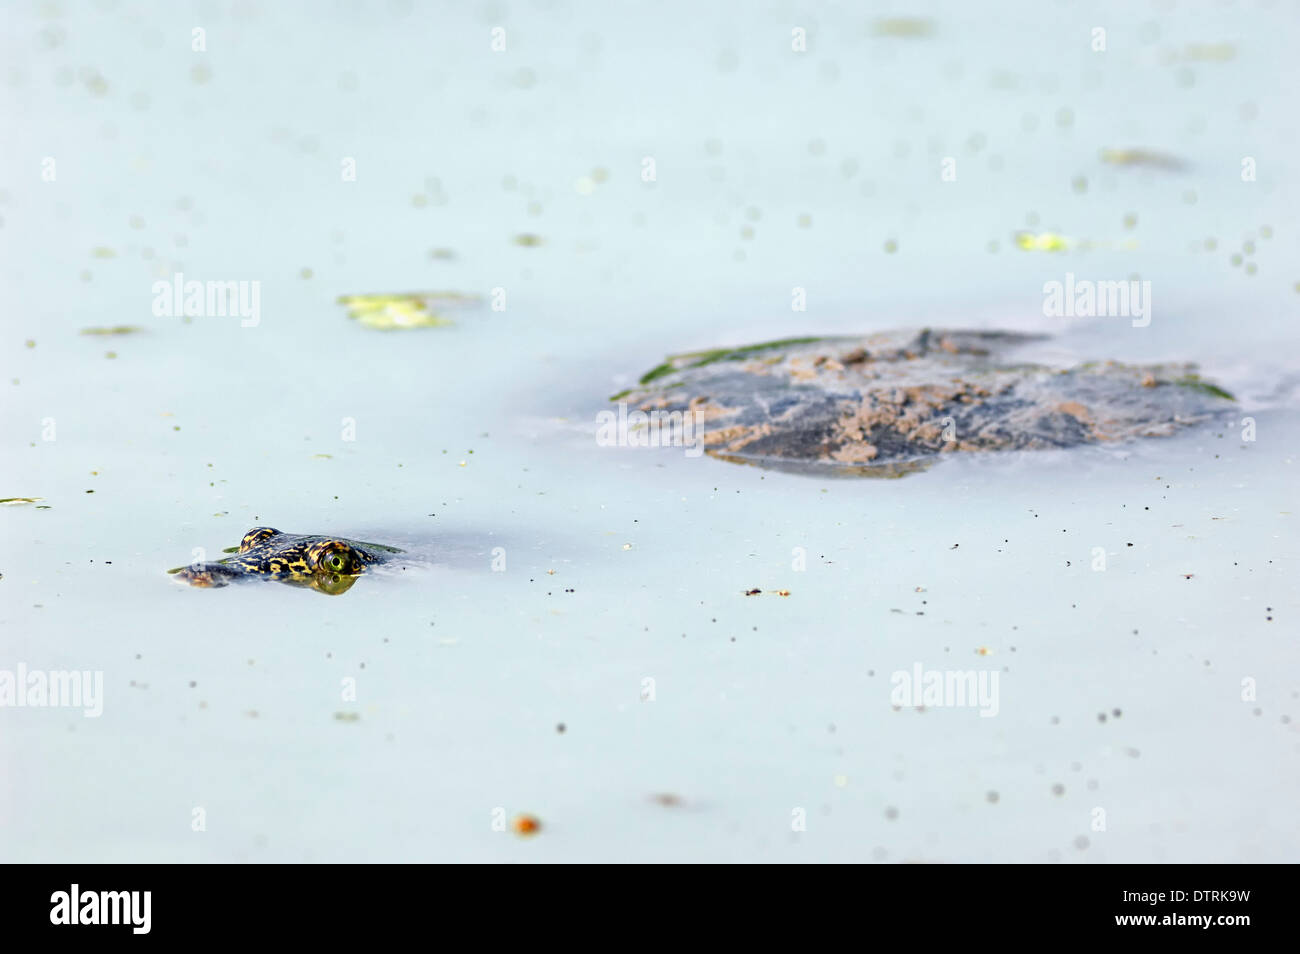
(213, 575)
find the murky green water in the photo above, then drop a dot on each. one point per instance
(552, 581)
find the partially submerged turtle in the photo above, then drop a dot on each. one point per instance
(326, 564)
(884, 404)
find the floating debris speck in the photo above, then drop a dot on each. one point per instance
(1142, 157)
(113, 330)
(903, 26)
(403, 311)
(1209, 52)
(1041, 242)
(526, 825)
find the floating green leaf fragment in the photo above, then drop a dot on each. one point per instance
(113, 330)
(1197, 383)
(903, 26)
(399, 312)
(528, 240)
(1210, 52)
(322, 456)
(1042, 242)
(103, 251)
(17, 501)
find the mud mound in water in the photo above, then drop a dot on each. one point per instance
(886, 404)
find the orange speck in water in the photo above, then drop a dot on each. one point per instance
(526, 824)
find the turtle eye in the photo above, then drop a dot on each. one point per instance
(336, 557)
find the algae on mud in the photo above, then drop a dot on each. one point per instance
(886, 404)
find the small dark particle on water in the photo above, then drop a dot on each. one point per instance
(560, 728)
(954, 546)
(1116, 713)
(891, 813)
(666, 799)
(1101, 717)
(992, 798)
(752, 592)
(1058, 789)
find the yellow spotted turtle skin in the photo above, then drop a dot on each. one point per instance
(328, 564)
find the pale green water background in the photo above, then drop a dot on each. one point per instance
(226, 165)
